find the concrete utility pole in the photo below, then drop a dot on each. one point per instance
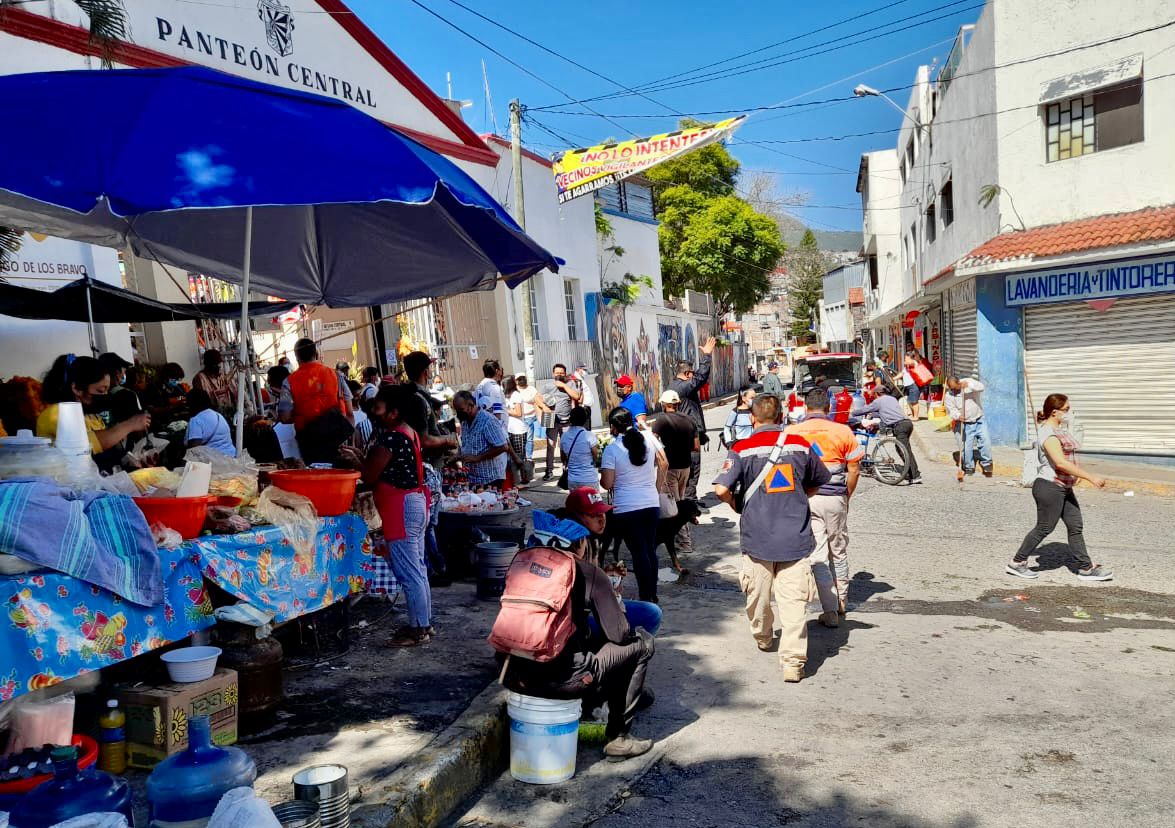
(520, 217)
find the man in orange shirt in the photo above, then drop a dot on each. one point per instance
(314, 402)
(838, 448)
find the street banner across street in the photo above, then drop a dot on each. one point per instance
(582, 171)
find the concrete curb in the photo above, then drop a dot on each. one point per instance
(457, 763)
(1007, 470)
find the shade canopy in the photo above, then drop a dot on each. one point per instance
(111, 304)
(347, 212)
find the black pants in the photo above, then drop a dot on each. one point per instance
(615, 674)
(554, 433)
(1055, 503)
(638, 530)
(902, 431)
(695, 472)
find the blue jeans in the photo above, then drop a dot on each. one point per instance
(407, 558)
(975, 435)
(639, 614)
(534, 431)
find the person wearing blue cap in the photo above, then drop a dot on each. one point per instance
(608, 662)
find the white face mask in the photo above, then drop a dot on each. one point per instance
(1067, 418)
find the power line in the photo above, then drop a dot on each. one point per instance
(773, 45)
(560, 55)
(512, 62)
(790, 57)
(906, 87)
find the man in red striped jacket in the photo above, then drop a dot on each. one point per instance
(767, 478)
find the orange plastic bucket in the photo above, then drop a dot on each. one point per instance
(185, 515)
(330, 490)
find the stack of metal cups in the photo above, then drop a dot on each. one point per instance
(297, 814)
(326, 786)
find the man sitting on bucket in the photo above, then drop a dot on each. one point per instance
(550, 650)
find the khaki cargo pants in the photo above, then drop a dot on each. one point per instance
(790, 583)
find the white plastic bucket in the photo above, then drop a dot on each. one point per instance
(544, 735)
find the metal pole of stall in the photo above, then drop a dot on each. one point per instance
(243, 333)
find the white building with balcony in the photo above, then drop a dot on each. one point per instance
(1036, 224)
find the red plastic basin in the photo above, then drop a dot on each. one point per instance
(185, 515)
(330, 490)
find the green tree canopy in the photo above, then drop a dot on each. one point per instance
(711, 240)
(806, 266)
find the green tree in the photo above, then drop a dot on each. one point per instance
(806, 266)
(711, 240)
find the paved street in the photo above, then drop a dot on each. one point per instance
(953, 696)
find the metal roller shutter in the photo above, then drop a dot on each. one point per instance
(964, 343)
(1116, 367)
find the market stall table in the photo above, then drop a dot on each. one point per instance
(264, 567)
(59, 626)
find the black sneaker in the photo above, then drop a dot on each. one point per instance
(548, 477)
(916, 481)
(1097, 572)
(988, 471)
(1020, 570)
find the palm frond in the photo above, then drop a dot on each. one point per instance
(107, 25)
(9, 242)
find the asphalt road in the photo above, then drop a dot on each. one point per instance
(953, 696)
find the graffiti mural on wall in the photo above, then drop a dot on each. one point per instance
(645, 371)
(610, 341)
(669, 344)
(623, 339)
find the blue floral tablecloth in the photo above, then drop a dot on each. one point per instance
(264, 568)
(55, 627)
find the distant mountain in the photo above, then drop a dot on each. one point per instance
(832, 241)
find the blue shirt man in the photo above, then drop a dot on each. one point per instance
(633, 401)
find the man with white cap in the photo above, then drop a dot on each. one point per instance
(679, 435)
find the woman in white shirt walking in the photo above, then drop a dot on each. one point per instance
(631, 469)
(1057, 472)
(578, 449)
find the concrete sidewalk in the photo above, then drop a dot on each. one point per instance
(939, 444)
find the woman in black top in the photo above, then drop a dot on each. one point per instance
(610, 664)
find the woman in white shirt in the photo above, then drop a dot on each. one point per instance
(578, 449)
(631, 469)
(515, 428)
(206, 425)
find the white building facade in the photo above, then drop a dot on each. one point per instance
(1036, 230)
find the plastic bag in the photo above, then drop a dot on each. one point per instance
(166, 537)
(37, 723)
(231, 476)
(294, 514)
(106, 819)
(242, 808)
(223, 520)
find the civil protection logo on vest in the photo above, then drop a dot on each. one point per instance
(279, 26)
(781, 478)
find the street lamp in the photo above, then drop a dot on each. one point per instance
(863, 91)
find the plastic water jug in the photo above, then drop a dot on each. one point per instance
(70, 793)
(184, 789)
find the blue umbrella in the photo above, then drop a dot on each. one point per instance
(287, 193)
(346, 211)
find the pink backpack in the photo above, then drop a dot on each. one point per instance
(535, 619)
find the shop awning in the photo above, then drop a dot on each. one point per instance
(110, 304)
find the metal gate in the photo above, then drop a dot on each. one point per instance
(1117, 367)
(964, 343)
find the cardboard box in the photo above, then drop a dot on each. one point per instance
(157, 717)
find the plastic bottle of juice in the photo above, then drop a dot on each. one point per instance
(112, 739)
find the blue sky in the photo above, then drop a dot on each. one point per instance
(635, 43)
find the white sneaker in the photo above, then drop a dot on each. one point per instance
(793, 673)
(1096, 572)
(1020, 570)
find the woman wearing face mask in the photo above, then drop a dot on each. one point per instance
(84, 380)
(1057, 472)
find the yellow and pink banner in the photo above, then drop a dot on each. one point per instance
(582, 171)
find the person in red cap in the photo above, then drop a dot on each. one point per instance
(633, 401)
